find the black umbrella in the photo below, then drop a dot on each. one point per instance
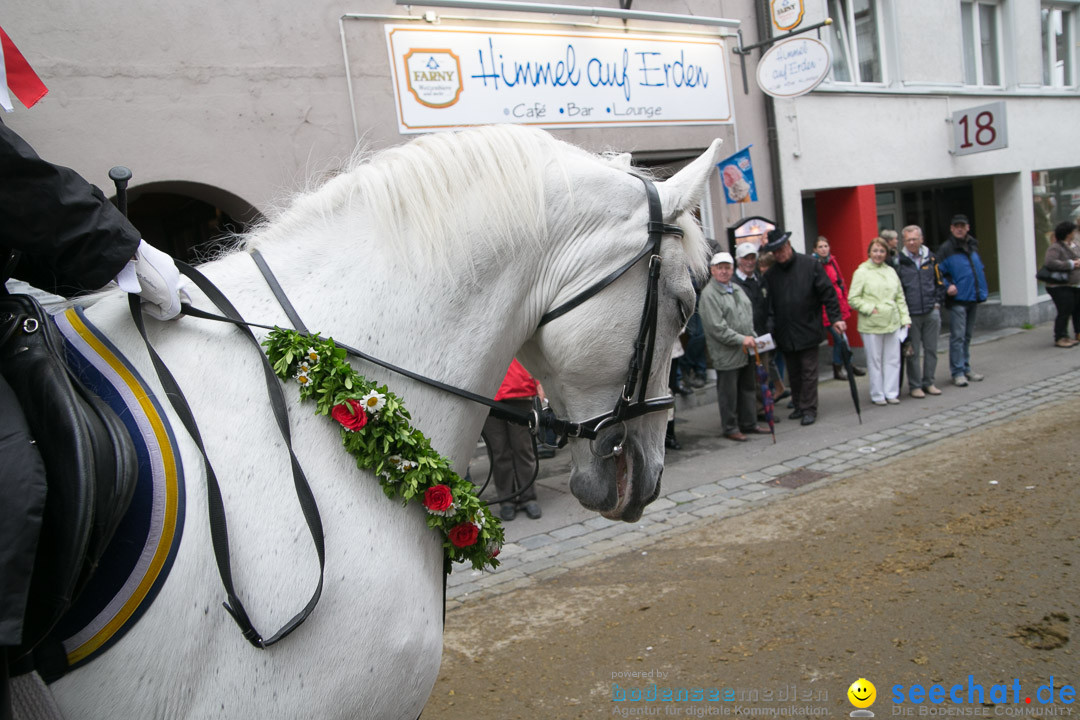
(845, 355)
(766, 392)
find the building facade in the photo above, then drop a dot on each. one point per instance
(222, 110)
(938, 107)
(930, 108)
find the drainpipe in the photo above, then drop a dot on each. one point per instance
(764, 28)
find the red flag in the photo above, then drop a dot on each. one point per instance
(23, 82)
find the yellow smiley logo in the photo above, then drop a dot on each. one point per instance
(862, 693)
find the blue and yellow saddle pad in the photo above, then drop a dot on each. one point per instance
(140, 554)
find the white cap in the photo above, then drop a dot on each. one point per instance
(746, 248)
(722, 257)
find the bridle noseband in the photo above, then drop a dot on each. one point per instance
(627, 407)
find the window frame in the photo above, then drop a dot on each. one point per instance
(1069, 12)
(976, 38)
(851, 44)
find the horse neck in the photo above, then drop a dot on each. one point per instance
(443, 325)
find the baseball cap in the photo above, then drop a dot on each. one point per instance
(746, 248)
(722, 257)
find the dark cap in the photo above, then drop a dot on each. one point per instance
(776, 240)
(959, 220)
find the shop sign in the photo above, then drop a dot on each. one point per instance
(980, 128)
(454, 77)
(787, 14)
(793, 67)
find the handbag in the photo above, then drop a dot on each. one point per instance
(1047, 275)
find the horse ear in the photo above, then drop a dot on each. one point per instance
(623, 160)
(684, 190)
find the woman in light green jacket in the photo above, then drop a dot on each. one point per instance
(877, 294)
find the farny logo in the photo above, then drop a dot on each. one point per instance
(433, 76)
(972, 699)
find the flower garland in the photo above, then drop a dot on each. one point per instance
(376, 430)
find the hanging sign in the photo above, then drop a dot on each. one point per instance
(787, 14)
(454, 77)
(793, 67)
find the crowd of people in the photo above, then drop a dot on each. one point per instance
(770, 296)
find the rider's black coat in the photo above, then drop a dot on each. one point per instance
(70, 239)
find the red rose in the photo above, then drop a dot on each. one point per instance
(438, 498)
(464, 535)
(351, 415)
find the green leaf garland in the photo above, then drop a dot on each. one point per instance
(376, 429)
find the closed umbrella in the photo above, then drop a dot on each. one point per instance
(845, 355)
(766, 392)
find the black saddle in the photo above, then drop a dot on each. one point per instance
(90, 463)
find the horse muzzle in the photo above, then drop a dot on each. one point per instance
(617, 486)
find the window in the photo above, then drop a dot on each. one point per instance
(1057, 46)
(854, 39)
(982, 55)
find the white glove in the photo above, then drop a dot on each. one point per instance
(152, 275)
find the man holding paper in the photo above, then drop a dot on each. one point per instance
(728, 318)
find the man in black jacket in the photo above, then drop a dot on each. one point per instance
(748, 277)
(797, 288)
(750, 280)
(59, 233)
(924, 292)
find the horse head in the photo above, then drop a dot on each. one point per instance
(582, 357)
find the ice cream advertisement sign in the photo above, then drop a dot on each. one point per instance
(455, 77)
(737, 176)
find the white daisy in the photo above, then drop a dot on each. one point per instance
(302, 378)
(312, 356)
(444, 513)
(373, 402)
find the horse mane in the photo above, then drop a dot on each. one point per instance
(422, 195)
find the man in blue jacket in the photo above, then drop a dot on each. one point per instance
(965, 287)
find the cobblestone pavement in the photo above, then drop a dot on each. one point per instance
(716, 478)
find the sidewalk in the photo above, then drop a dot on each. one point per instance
(715, 477)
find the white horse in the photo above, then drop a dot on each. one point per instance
(440, 255)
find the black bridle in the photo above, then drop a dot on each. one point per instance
(628, 407)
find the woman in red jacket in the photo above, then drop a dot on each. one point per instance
(513, 457)
(832, 269)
